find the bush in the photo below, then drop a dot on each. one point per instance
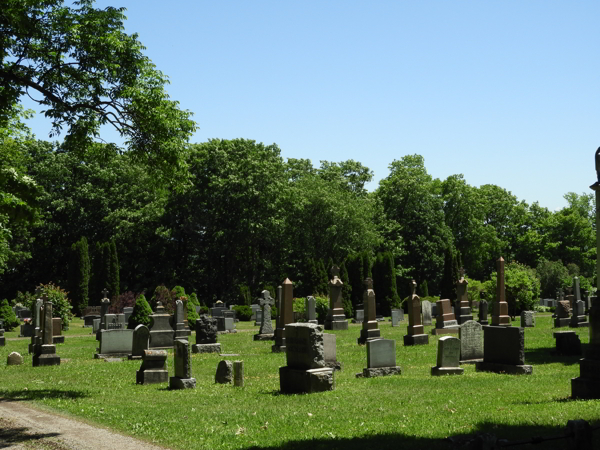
(322, 307)
(521, 285)
(124, 300)
(243, 312)
(61, 305)
(204, 310)
(8, 316)
(141, 313)
(162, 294)
(27, 300)
(192, 315)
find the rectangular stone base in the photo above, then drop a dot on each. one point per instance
(58, 339)
(437, 371)
(295, 381)
(579, 325)
(563, 322)
(110, 355)
(182, 383)
(463, 319)
(379, 372)
(503, 368)
(336, 325)
(278, 348)
(585, 388)
(470, 361)
(416, 339)
(264, 337)
(484, 322)
(440, 331)
(151, 376)
(46, 360)
(206, 348)
(367, 335)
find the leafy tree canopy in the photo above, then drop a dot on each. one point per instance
(79, 64)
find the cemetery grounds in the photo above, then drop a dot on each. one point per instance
(410, 411)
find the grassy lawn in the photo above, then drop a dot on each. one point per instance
(414, 410)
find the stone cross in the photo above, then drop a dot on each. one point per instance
(266, 326)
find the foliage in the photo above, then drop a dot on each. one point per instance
(448, 281)
(522, 288)
(384, 282)
(125, 300)
(79, 275)
(322, 308)
(192, 315)
(78, 64)
(474, 289)
(8, 316)
(553, 275)
(244, 296)
(26, 299)
(140, 314)
(61, 304)
(243, 312)
(113, 280)
(162, 294)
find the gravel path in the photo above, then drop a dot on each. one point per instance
(25, 428)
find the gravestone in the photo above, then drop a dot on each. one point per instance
(306, 371)
(434, 310)
(330, 351)
(286, 315)
(127, 311)
(206, 335)
(500, 315)
(183, 366)
(258, 315)
(567, 343)
(445, 322)
(265, 332)
(576, 290)
(471, 342)
(578, 319)
(161, 332)
(359, 316)
(427, 313)
(336, 319)
(181, 332)
(224, 372)
(396, 317)
(504, 351)
(225, 324)
(370, 328)
(115, 343)
(483, 312)
(311, 309)
(238, 373)
(57, 337)
(45, 352)
(37, 322)
(154, 367)
(527, 319)
(415, 331)
(587, 384)
(255, 308)
(14, 359)
(217, 309)
(448, 356)
(562, 314)
(2, 338)
(104, 305)
(140, 342)
(381, 359)
(462, 302)
(95, 326)
(114, 322)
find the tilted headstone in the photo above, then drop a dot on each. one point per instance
(528, 319)
(311, 309)
(206, 335)
(305, 370)
(154, 367)
(140, 341)
(370, 329)
(427, 316)
(500, 315)
(286, 315)
(471, 341)
(224, 372)
(336, 319)
(448, 356)
(183, 367)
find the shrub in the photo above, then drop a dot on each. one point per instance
(163, 295)
(27, 300)
(244, 297)
(522, 288)
(61, 305)
(322, 307)
(192, 315)
(141, 313)
(204, 310)
(79, 274)
(124, 300)
(8, 316)
(243, 312)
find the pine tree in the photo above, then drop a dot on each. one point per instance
(346, 291)
(113, 280)
(140, 314)
(366, 262)
(424, 289)
(355, 277)
(323, 284)
(79, 275)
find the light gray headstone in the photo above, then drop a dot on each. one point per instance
(527, 319)
(448, 351)
(140, 341)
(329, 348)
(14, 359)
(381, 353)
(576, 290)
(427, 316)
(116, 341)
(471, 340)
(359, 315)
(311, 308)
(178, 316)
(182, 359)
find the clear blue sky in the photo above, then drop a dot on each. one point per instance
(504, 92)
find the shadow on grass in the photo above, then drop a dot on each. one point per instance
(547, 356)
(38, 394)
(10, 436)
(482, 434)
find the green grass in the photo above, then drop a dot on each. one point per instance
(414, 410)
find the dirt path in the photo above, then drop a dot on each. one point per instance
(23, 427)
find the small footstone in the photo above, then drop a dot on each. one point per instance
(14, 359)
(224, 372)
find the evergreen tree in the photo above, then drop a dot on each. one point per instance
(140, 314)
(447, 283)
(8, 316)
(113, 280)
(354, 265)
(346, 291)
(459, 262)
(100, 271)
(384, 281)
(191, 308)
(366, 262)
(79, 275)
(323, 285)
(424, 289)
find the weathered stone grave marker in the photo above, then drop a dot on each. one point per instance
(154, 367)
(161, 332)
(527, 319)
(462, 302)
(370, 329)
(336, 319)
(415, 331)
(206, 335)
(448, 356)
(471, 342)
(183, 367)
(445, 322)
(286, 315)
(381, 359)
